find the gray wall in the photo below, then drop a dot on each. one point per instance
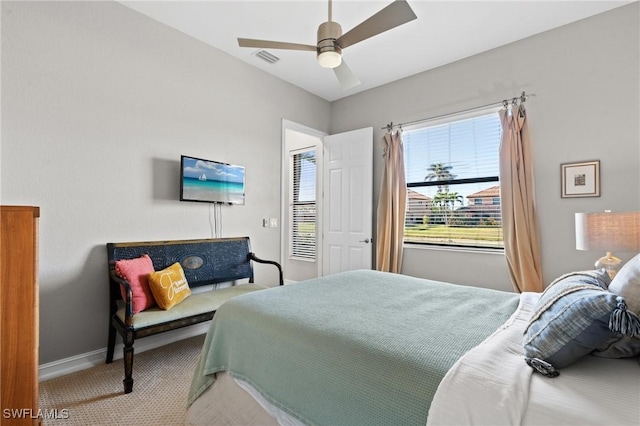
(98, 103)
(586, 80)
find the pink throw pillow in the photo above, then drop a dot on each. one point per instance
(136, 272)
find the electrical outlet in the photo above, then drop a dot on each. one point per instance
(265, 223)
(273, 222)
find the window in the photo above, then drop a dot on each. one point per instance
(303, 205)
(452, 182)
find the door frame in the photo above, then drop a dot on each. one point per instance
(284, 208)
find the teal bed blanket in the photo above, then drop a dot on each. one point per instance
(355, 348)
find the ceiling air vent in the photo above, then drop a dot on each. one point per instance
(267, 57)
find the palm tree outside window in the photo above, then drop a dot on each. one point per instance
(453, 182)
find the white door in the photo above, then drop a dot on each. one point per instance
(347, 201)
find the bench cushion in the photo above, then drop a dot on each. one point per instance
(195, 304)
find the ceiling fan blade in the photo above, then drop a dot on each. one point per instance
(266, 44)
(346, 77)
(397, 13)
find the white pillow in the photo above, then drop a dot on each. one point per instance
(626, 283)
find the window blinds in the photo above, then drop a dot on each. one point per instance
(303, 206)
(452, 179)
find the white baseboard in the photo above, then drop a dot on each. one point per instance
(54, 369)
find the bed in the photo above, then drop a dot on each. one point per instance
(372, 348)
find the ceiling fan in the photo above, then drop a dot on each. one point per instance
(331, 41)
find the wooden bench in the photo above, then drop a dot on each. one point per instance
(205, 262)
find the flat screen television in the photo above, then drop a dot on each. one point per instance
(210, 181)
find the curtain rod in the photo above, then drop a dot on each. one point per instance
(505, 102)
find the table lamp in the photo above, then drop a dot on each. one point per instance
(608, 231)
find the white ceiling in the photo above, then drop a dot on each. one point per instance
(445, 31)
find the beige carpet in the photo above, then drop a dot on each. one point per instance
(95, 396)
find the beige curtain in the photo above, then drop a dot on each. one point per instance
(391, 205)
(519, 222)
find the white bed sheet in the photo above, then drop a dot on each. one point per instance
(603, 392)
(492, 384)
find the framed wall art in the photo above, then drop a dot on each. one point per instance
(580, 179)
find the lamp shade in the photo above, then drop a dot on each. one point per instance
(608, 231)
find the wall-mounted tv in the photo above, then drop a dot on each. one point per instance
(210, 181)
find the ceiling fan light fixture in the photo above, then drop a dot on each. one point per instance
(329, 52)
(329, 59)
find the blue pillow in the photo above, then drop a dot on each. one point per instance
(573, 317)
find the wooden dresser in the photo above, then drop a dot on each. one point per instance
(19, 311)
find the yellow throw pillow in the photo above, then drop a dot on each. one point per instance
(169, 286)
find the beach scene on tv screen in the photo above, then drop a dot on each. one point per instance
(210, 181)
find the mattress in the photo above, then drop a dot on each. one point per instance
(593, 391)
(360, 347)
(488, 384)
